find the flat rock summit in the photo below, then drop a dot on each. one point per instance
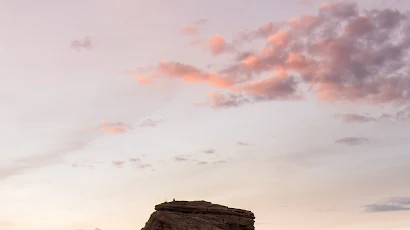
(199, 215)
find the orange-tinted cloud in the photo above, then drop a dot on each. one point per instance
(114, 127)
(190, 30)
(217, 45)
(340, 54)
(120, 127)
(190, 74)
(142, 80)
(280, 38)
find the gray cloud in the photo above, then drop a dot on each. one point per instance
(390, 205)
(355, 118)
(132, 159)
(209, 151)
(150, 123)
(202, 163)
(241, 143)
(144, 165)
(352, 141)
(402, 115)
(181, 159)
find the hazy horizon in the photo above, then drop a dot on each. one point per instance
(297, 111)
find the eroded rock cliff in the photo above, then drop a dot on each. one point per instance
(199, 215)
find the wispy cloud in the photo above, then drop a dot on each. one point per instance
(209, 151)
(402, 115)
(192, 31)
(79, 45)
(118, 164)
(143, 166)
(390, 205)
(150, 123)
(355, 118)
(181, 159)
(220, 162)
(121, 127)
(352, 141)
(114, 127)
(55, 156)
(241, 143)
(202, 163)
(132, 159)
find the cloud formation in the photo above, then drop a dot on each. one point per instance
(390, 205)
(339, 54)
(402, 115)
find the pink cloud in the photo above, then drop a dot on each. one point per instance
(78, 45)
(217, 45)
(114, 127)
(340, 54)
(118, 164)
(190, 30)
(189, 74)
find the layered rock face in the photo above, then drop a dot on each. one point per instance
(199, 215)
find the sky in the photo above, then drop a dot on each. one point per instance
(296, 110)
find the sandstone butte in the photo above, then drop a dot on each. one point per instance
(199, 215)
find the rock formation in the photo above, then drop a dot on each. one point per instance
(198, 215)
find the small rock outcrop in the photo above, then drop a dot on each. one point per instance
(199, 215)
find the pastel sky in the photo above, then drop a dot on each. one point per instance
(296, 110)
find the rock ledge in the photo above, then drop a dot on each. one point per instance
(199, 215)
